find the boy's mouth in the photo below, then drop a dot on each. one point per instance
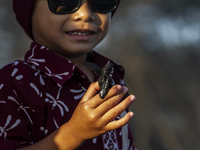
(81, 33)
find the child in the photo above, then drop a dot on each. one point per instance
(50, 100)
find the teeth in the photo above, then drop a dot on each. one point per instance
(79, 33)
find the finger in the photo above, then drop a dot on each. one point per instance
(112, 101)
(97, 101)
(118, 109)
(91, 91)
(119, 123)
(113, 91)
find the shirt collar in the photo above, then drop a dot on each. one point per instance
(58, 68)
(48, 62)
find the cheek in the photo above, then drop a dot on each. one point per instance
(44, 23)
(106, 24)
(38, 28)
(44, 28)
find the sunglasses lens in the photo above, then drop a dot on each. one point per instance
(70, 6)
(63, 6)
(103, 6)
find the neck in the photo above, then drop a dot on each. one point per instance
(79, 63)
(78, 60)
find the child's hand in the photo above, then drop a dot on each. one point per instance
(93, 115)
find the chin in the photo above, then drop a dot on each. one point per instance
(76, 54)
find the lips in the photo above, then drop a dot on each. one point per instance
(82, 35)
(80, 32)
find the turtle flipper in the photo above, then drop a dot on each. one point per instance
(94, 67)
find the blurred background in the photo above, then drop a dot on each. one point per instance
(157, 42)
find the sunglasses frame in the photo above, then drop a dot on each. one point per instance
(78, 6)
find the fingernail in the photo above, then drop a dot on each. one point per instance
(125, 89)
(131, 114)
(119, 87)
(132, 98)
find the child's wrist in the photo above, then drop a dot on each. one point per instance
(65, 138)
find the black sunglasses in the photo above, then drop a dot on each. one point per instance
(70, 6)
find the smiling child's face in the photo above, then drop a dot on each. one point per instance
(69, 35)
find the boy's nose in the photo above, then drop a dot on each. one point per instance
(84, 12)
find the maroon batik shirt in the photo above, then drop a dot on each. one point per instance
(40, 94)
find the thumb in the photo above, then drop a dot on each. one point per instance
(93, 89)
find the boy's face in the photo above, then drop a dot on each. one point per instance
(70, 35)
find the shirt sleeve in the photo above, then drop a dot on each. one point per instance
(14, 129)
(14, 116)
